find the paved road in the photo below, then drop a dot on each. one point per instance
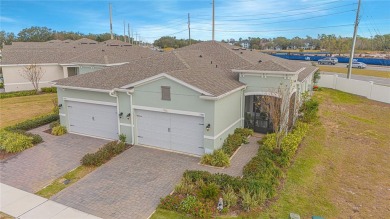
(344, 65)
(36, 167)
(376, 80)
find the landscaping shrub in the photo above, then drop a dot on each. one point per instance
(13, 142)
(309, 110)
(218, 158)
(1, 85)
(33, 123)
(104, 154)
(209, 191)
(188, 204)
(16, 139)
(221, 157)
(49, 89)
(122, 138)
(171, 202)
(17, 94)
(58, 130)
(229, 197)
(54, 124)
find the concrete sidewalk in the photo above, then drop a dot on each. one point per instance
(21, 204)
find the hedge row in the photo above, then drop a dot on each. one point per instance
(261, 178)
(104, 154)
(34, 123)
(15, 138)
(221, 157)
(27, 92)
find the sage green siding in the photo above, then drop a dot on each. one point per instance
(264, 84)
(182, 98)
(228, 113)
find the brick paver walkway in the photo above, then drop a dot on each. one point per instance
(38, 166)
(131, 184)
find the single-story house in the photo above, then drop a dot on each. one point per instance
(61, 59)
(187, 100)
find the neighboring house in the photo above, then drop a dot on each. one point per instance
(61, 59)
(187, 100)
(245, 44)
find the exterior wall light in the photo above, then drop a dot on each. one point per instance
(60, 105)
(208, 127)
(120, 115)
(128, 116)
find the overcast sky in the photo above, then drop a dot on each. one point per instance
(234, 18)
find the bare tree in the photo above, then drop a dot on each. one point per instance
(277, 104)
(34, 74)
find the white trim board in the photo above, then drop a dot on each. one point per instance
(164, 75)
(261, 93)
(223, 95)
(189, 113)
(125, 124)
(62, 114)
(92, 136)
(82, 88)
(89, 101)
(223, 131)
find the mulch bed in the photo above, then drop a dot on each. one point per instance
(4, 155)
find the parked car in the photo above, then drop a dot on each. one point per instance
(328, 61)
(358, 65)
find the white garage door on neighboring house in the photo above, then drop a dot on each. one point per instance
(182, 133)
(93, 119)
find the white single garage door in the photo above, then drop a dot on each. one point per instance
(176, 132)
(93, 119)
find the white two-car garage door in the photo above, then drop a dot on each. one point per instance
(93, 119)
(170, 131)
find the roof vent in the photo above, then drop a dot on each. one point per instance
(74, 47)
(211, 62)
(216, 66)
(200, 56)
(102, 50)
(240, 52)
(260, 61)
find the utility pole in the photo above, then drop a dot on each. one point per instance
(132, 36)
(189, 29)
(353, 42)
(136, 37)
(124, 31)
(213, 20)
(110, 9)
(128, 31)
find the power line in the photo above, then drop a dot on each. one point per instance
(276, 22)
(297, 9)
(261, 31)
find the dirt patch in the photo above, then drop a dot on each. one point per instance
(4, 155)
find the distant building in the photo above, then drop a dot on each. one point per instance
(245, 44)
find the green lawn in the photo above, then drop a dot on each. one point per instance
(18, 109)
(58, 185)
(341, 168)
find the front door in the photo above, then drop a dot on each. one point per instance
(261, 120)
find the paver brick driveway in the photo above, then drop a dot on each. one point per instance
(129, 186)
(36, 167)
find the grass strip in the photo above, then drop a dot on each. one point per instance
(70, 177)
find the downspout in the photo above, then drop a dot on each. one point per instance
(128, 92)
(113, 94)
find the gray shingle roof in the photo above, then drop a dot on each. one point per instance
(207, 66)
(72, 52)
